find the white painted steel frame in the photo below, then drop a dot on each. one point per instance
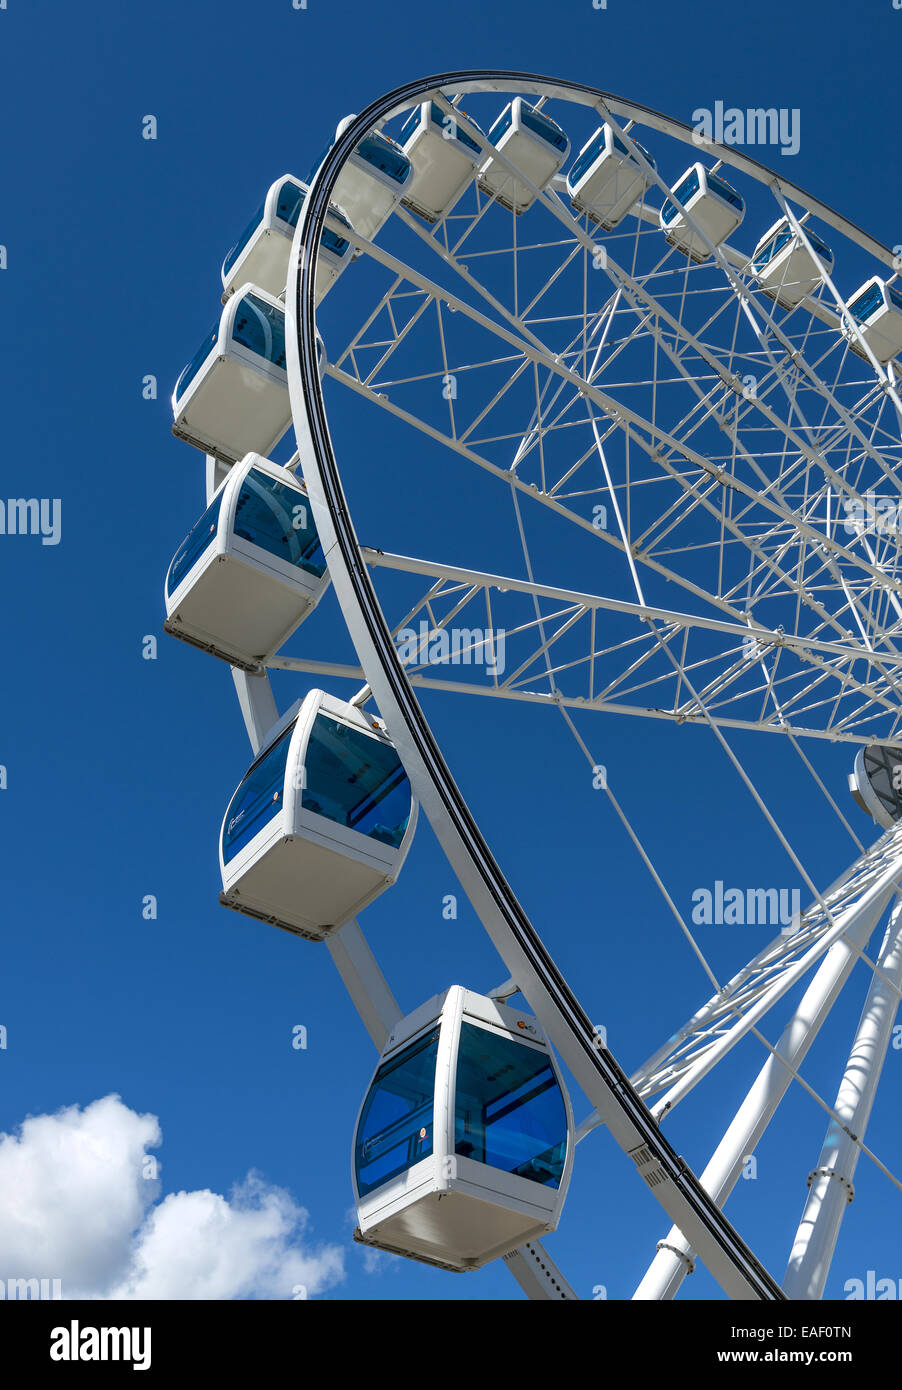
(675, 1255)
(533, 1268)
(565, 1023)
(782, 513)
(830, 1187)
(567, 93)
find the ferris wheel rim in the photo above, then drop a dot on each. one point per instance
(695, 486)
(504, 80)
(606, 1085)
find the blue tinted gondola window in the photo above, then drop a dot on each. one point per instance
(187, 374)
(773, 247)
(243, 240)
(583, 163)
(259, 797)
(862, 307)
(410, 125)
(278, 518)
(288, 210)
(357, 781)
(288, 203)
(619, 145)
(440, 117)
(821, 247)
(331, 241)
(726, 192)
(684, 191)
(201, 535)
(894, 295)
(260, 327)
(509, 1111)
(543, 126)
(396, 1126)
(382, 154)
(503, 123)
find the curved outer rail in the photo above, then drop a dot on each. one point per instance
(606, 1086)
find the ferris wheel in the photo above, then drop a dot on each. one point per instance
(666, 380)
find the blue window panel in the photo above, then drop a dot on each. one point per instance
(338, 245)
(288, 210)
(503, 123)
(543, 126)
(187, 374)
(726, 192)
(260, 327)
(588, 157)
(684, 191)
(819, 246)
(595, 148)
(258, 798)
(198, 539)
(279, 519)
(773, 248)
(440, 117)
(289, 201)
(243, 240)
(866, 304)
(509, 1111)
(383, 154)
(410, 125)
(356, 781)
(396, 1123)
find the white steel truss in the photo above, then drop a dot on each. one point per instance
(749, 459)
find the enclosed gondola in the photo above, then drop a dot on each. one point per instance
(232, 397)
(606, 180)
(373, 180)
(321, 823)
(250, 570)
(534, 144)
(876, 783)
(261, 254)
(786, 269)
(464, 1142)
(877, 309)
(710, 202)
(444, 159)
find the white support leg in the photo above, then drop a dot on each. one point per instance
(364, 981)
(830, 1185)
(258, 705)
(537, 1275)
(675, 1257)
(217, 472)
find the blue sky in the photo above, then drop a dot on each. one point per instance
(119, 768)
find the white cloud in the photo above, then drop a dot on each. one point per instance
(75, 1205)
(198, 1245)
